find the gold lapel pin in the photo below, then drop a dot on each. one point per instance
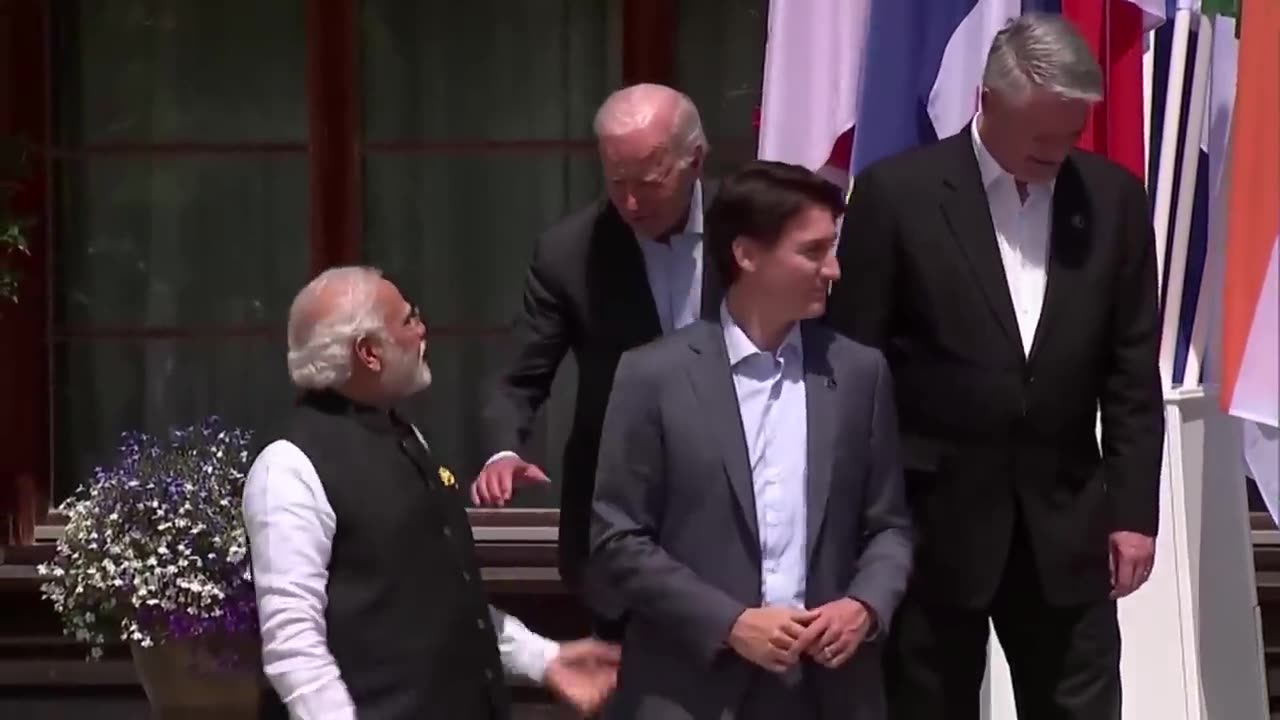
(446, 477)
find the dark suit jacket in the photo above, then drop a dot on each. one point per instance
(674, 520)
(987, 430)
(586, 293)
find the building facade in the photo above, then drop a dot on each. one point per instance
(189, 165)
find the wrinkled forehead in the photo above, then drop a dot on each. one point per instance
(638, 151)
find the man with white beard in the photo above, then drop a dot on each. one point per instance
(368, 588)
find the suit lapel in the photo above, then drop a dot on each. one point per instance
(1069, 237)
(819, 391)
(969, 217)
(712, 291)
(712, 288)
(626, 275)
(713, 384)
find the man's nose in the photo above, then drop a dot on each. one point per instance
(831, 267)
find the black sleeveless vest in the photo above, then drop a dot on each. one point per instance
(407, 618)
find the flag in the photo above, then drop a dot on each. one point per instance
(812, 70)
(1251, 288)
(1250, 370)
(929, 57)
(1115, 30)
(1210, 145)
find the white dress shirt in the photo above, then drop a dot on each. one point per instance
(771, 403)
(291, 526)
(1022, 233)
(674, 271)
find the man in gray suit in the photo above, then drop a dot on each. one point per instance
(749, 503)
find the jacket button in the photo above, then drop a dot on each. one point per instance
(466, 576)
(448, 532)
(480, 623)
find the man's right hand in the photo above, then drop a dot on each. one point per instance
(768, 636)
(495, 483)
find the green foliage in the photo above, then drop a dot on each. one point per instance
(12, 241)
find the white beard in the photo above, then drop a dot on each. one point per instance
(407, 372)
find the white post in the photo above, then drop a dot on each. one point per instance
(1191, 638)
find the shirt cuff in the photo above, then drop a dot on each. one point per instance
(524, 653)
(501, 456)
(327, 701)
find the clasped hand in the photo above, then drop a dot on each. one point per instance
(775, 637)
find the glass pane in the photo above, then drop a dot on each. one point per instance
(197, 241)
(487, 69)
(450, 411)
(720, 64)
(458, 230)
(169, 70)
(104, 388)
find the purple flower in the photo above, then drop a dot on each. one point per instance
(155, 547)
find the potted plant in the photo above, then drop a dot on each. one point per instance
(155, 555)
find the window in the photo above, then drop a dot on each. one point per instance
(195, 165)
(180, 185)
(464, 164)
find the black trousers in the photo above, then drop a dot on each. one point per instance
(1064, 661)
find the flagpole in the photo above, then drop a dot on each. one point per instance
(1148, 93)
(1186, 198)
(1169, 156)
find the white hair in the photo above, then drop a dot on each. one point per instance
(637, 106)
(333, 311)
(1042, 50)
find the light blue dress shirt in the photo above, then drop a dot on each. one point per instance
(771, 403)
(674, 269)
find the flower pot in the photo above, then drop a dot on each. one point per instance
(188, 679)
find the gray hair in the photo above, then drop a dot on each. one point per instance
(1044, 50)
(334, 310)
(636, 106)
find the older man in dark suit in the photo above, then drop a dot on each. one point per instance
(614, 275)
(1011, 282)
(749, 505)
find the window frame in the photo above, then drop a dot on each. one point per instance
(335, 150)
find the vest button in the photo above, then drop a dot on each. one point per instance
(488, 674)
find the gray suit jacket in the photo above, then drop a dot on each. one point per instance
(674, 523)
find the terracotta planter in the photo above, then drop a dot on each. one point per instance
(184, 679)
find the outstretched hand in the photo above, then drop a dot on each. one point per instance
(497, 481)
(584, 673)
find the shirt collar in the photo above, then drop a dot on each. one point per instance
(990, 167)
(741, 347)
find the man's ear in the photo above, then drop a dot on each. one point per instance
(744, 253)
(699, 155)
(366, 353)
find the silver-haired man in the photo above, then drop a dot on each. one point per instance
(1010, 280)
(369, 593)
(623, 271)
